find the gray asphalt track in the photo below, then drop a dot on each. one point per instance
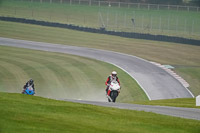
(156, 82)
(188, 113)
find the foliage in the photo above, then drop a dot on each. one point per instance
(195, 2)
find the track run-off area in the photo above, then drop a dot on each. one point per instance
(156, 82)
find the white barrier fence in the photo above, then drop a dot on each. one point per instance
(123, 4)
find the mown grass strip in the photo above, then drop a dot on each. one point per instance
(22, 113)
(62, 76)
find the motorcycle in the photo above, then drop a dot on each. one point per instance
(115, 90)
(29, 91)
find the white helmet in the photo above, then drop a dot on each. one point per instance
(114, 73)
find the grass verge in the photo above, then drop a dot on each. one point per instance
(22, 113)
(180, 102)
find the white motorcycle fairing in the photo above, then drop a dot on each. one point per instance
(115, 89)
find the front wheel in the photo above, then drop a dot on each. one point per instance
(113, 95)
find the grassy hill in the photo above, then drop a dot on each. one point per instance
(185, 58)
(21, 114)
(62, 76)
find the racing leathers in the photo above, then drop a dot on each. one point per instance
(109, 80)
(28, 84)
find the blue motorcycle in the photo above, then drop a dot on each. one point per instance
(29, 91)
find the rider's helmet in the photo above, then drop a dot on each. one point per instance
(31, 81)
(114, 74)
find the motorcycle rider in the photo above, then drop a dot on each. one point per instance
(28, 84)
(112, 77)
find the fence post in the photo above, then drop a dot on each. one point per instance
(99, 3)
(177, 24)
(15, 11)
(84, 19)
(70, 2)
(125, 20)
(142, 21)
(99, 23)
(50, 1)
(185, 28)
(168, 23)
(119, 4)
(100, 20)
(138, 5)
(148, 6)
(90, 3)
(158, 6)
(151, 23)
(192, 26)
(32, 13)
(107, 18)
(116, 19)
(50, 15)
(160, 23)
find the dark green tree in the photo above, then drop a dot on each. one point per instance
(195, 2)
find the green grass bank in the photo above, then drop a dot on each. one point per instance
(62, 76)
(185, 58)
(180, 102)
(22, 114)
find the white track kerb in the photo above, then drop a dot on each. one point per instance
(156, 82)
